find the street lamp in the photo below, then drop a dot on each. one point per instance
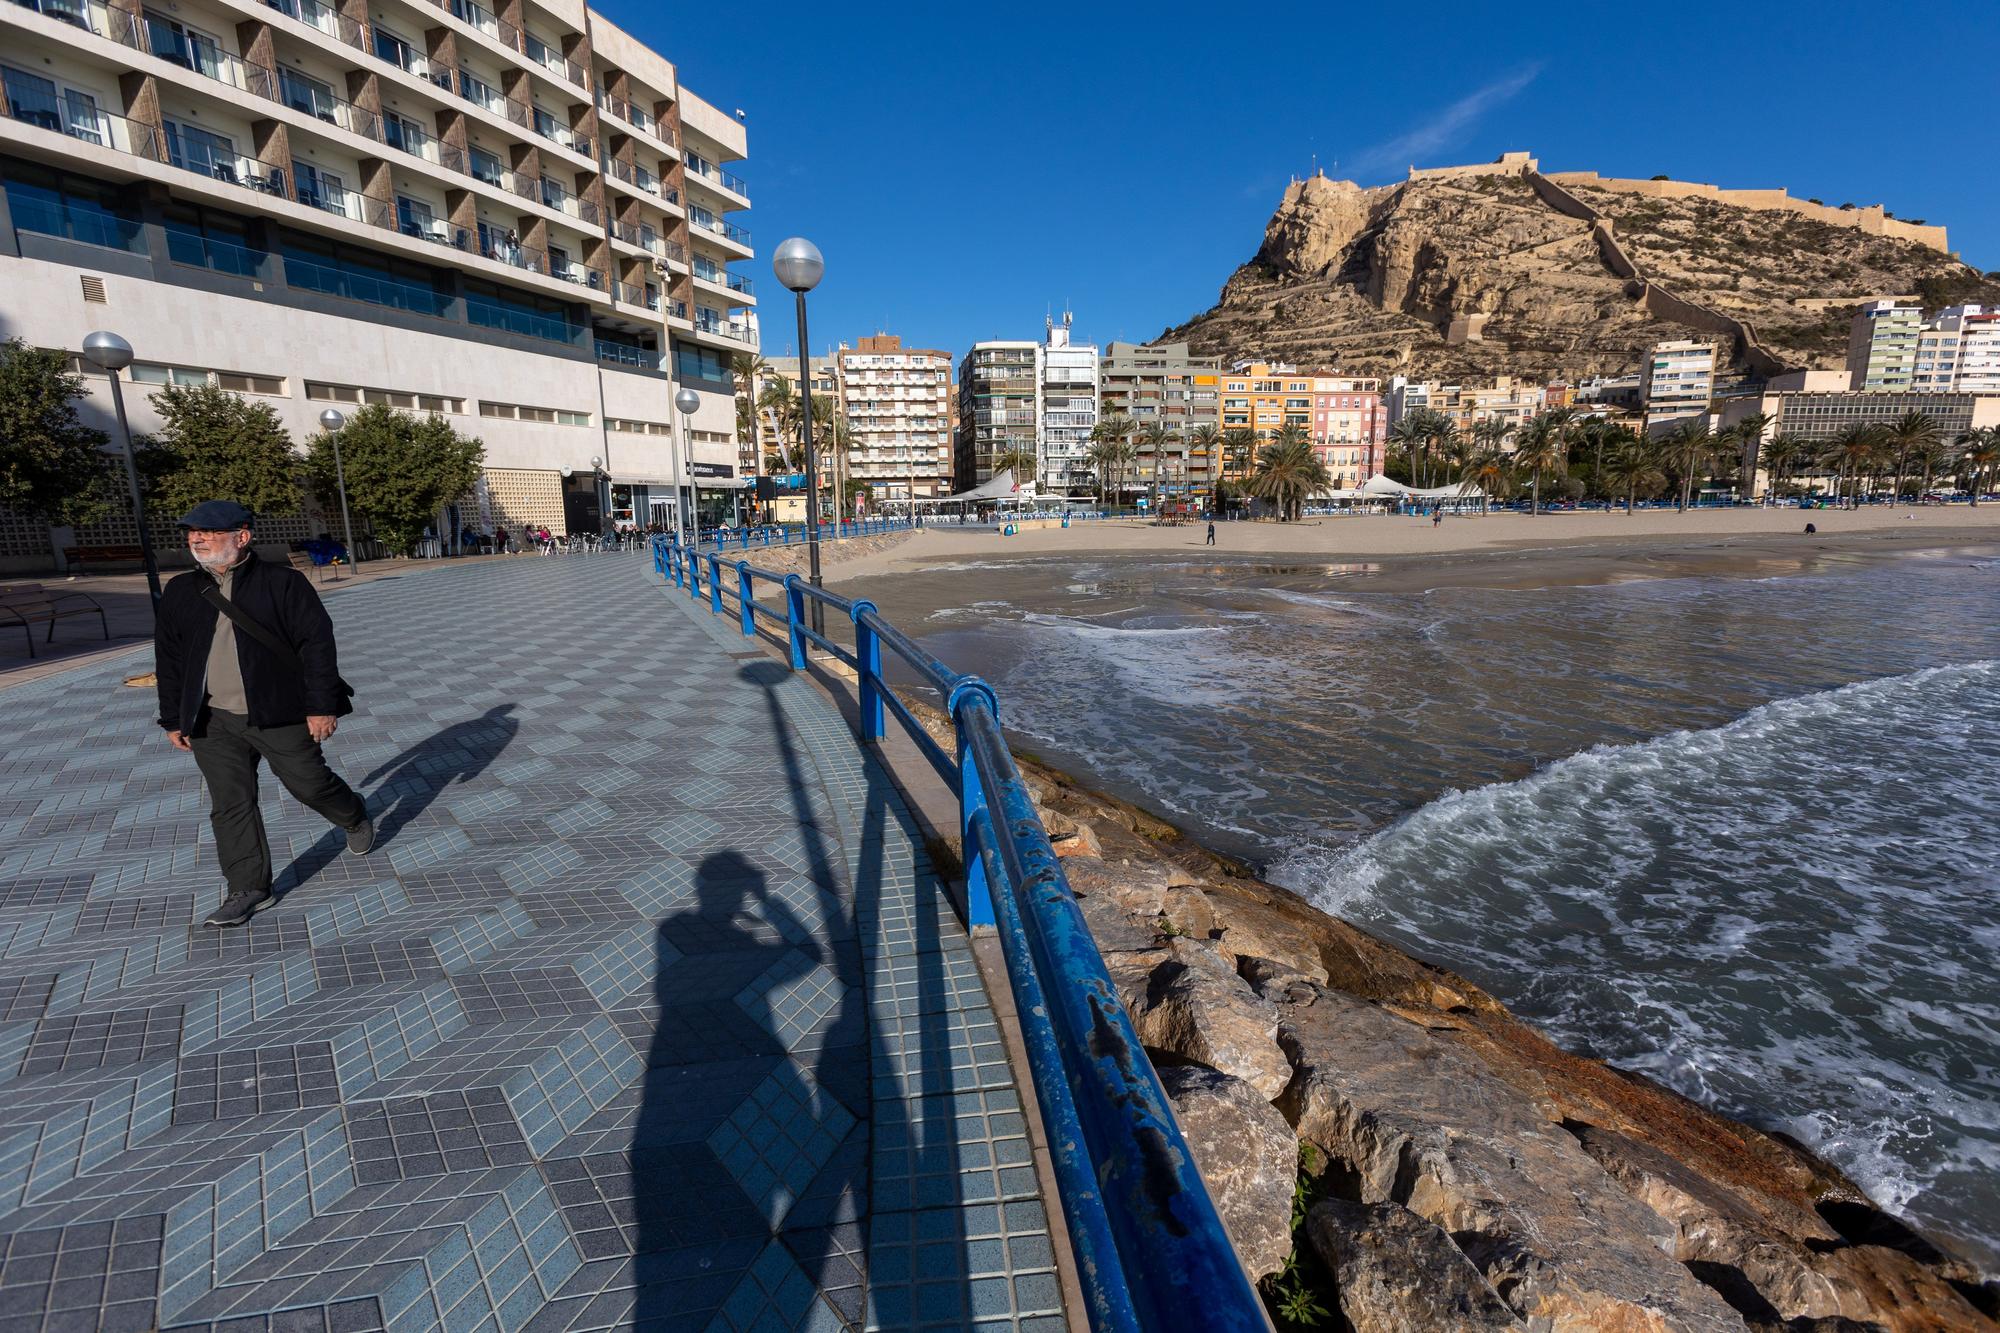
(111, 354)
(799, 267)
(331, 421)
(688, 401)
(600, 487)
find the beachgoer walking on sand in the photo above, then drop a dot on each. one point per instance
(1211, 532)
(1437, 517)
(246, 668)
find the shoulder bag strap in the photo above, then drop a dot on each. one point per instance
(213, 596)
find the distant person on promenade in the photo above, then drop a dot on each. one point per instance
(1437, 517)
(1211, 532)
(246, 666)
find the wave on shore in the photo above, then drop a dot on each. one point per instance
(1789, 917)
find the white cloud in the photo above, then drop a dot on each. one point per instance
(1444, 128)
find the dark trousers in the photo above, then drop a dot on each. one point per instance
(227, 752)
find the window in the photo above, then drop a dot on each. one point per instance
(485, 166)
(319, 188)
(494, 307)
(203, 239)
(187, 47)
(700, 363)
(199, 150)
(71, 207)
(350, 393)
(146, 372)
(545, 415)
(336, 269)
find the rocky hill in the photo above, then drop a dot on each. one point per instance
(1503, 270)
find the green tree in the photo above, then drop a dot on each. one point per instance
(401, 471)
(52, 466)
(1155, 437)
(1289, 473)
(1410, 437)
(1203, 441)
(1780, 454)
(1851, 452)
(1238, 443)
(1022, 460)
(1749, 434)
(217, 445)
(1491, 471)
(1688, 449)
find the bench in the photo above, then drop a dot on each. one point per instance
(29, 604)
(75, 557)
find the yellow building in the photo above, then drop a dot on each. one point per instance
(1341, 414)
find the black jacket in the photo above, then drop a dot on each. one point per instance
(280, 599)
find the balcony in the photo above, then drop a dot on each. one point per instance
(302, 95)
(551, 59)
(481, 93)
(729, 231)
(715, 175)
(556, 197)
(626, 111)
(205, 58)
(79, 120)
(483, 21)
(329, 21)
(581, 276)
(502, 248)
(549, 128)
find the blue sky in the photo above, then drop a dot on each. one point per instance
(967, 168)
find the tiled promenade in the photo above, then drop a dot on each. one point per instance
(645, 1014)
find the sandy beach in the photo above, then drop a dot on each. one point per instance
(1497, 549)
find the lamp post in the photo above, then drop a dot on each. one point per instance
(111, 354)
(331, 422)
(688, 402)
(600, 487)
(799, 267)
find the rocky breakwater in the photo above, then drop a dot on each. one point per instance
(1385, 1140)
(793, 559)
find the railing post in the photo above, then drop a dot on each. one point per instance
(694, 573)
(868, 660)
(972, 797)
(746, 599)
(715, 583)
(795, 619)
(674, 564)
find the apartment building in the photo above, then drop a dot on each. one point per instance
(897, 401)
(999, 409)
(1162, 384)
(1814, 406)
(1958, 349)
(1343, 415)
(776, 442)
(1677, 381)
(1882, 345)
(516, 218)
(1068, 382)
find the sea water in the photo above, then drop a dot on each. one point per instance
(1741, 835)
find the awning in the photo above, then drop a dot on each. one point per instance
(1002, 486)
(1379, 487)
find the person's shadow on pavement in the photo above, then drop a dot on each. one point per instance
(419, 774)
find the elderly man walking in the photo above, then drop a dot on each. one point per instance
(245, 658)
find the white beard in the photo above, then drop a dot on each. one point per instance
(216, 564)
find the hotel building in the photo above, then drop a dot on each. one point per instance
(898, 406)
(516, 218)
(1816, 406)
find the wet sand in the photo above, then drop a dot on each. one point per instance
(1499, 550)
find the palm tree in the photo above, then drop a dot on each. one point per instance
(1411, 434)
(1543, 447)
(1202, 440)
(1779, 453)
(1934, 456)
(1154, 437)
(1913, 431)
(1691, 443)
(1021, 460)
(1851, 452)
(1749, 433)
(1289, 472)
(1979, 449)
(1634, 462)
(1444, 438)
(1238, 443)
(1491, 471)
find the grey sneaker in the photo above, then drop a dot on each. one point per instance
(361, 838)
(240, 907)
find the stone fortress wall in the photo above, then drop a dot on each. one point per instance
(1872, 220)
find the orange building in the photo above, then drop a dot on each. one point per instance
(1342, 415)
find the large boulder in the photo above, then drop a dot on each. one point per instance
(1406, 1118)
(1188, 1003)
(1797, 1269)
(1394, 1272)
(1247, 1156)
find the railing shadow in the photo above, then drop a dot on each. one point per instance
(416, 777)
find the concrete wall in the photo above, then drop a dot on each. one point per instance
(1872, 220)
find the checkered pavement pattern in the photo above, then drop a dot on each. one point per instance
(646, 1012)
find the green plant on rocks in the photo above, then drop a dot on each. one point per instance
(1293, 1293)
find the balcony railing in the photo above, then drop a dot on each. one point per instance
(581, 276)
(709, 222)
(556, 133)
(707, 170)
(739, 283)
(79, 121)
(624, 354)
(481, 93)
(205, 58)
(315, 101)
(328, 20)
(350, 204)
(678, 309)
(539, 51)
(513, 252)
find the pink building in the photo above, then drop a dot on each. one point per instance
(1349, 423)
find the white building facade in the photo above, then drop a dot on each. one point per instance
(514, 219)
(1068, 409)
(898, 406)
(1677, 382)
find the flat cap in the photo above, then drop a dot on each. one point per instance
(216, 516)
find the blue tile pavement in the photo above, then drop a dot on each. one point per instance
(645, 1011)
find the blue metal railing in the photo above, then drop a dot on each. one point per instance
(1151, 1250)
